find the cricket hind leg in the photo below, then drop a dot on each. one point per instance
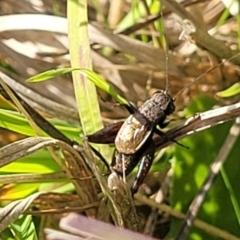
(164, 124)
(145, 164)
(99, 155)
(106, 135)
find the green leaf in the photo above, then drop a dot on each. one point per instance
(91, 76)
(57, 187)
(16, 122)
(7, 234)
(199, 104)
(38, 162)
(230, 92)
(24, 228)
(50, 74)
(17, 191)
(80, 57)
(102, 84)
(190, 169)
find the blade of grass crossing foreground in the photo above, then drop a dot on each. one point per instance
(85, 91)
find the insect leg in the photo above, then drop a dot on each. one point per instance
(164, 124)
(99, 155)
(131, 107)
(144, 165)
(106, 135)
(163, 135)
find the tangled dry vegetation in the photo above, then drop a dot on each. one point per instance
(133, 61)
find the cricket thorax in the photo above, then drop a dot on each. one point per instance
(158, 107)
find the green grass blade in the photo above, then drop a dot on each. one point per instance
(14, 121)
(85, 91)
(233, 197)
(230, 92)
(91, 76)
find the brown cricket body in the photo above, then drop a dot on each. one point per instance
(133, 138)
(134, 144)
(138, 127)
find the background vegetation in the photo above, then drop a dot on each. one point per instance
(136, 46)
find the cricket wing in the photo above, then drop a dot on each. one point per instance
(132, 135)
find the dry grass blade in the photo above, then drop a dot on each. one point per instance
(156, 57)
(10, 95)
(148, 54)
(53, 202)
(36, 120)
(214, 231)
(77, 170)
(28, 178)
(150, 19)
(40, 102)
(74, 167)
(124, 214)
(123, 202)
(21, 148)
(200, 122)
(13, 210)
(200, 35)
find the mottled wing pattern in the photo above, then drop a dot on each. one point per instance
(130, 137)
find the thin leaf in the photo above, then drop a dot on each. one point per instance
(230, 92)
(14, 121)
(38, 162)
(50, 74)
(91, 76)
(17, 191)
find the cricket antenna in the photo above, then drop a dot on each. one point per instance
(204, 74)
(166, 68)
(165, 47)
